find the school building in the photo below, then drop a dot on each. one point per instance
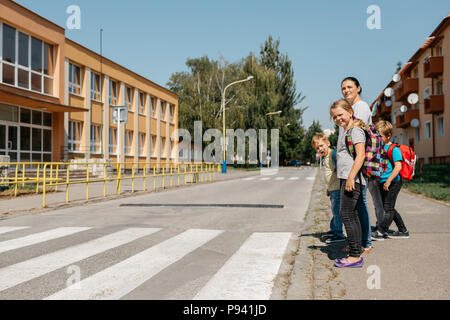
(57, 99)
(425, 126)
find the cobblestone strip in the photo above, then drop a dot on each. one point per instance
(313, 275)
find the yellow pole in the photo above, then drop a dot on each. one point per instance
(171, 175)
(104, 179)
(145, 170)
(23, 175)
(119, 169)
(185, 174)
(43, 186)
(57, 175)
(15, 179)
(67, 183)
(154, 179)
(163, 173)
(132, 178)
(37, 178)
(87, 181)
(178, 169)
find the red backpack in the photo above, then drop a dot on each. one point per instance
(409, 160)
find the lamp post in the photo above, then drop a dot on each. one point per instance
(224, 162)
(260, 144)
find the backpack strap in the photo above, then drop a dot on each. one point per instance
(349, 143)
(389, 152)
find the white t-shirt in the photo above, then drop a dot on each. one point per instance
(344, 158)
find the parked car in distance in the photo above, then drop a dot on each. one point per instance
(295, 163)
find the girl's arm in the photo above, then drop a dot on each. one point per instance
(395, 172)
(357, 164)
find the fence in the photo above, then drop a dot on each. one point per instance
(45, 177)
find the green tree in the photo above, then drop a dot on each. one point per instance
(309, 153)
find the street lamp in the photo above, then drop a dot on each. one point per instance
(224, 162)
(260, 143)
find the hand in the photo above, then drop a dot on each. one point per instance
(350, 185)
(386, 186)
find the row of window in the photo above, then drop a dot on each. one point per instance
(428, 134)
(75, 133)
(25, 61)
(75, 84)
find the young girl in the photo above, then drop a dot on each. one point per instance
(352, 182)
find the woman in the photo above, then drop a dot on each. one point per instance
(351, 91)
(352, 183)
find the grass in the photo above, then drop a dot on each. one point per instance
(433, 181)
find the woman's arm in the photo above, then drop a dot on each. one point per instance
(360, 149)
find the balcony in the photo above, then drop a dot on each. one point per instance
(434, 67)
(408, 86)
(404, 120)
(435, 104)
(383, 109)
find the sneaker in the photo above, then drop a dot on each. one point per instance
(378, 236)
(327, 235)
(373, 228)
(340, 263)
(334, 239)
(399, 235)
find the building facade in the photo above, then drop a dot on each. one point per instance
(425, 125)
(57, 99)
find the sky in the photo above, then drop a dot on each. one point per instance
(325, 40)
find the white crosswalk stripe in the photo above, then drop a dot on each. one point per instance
(10, 229)
(249, 273)
(33, 268)
(280, 178)
(249, 179)
(122, 278)
(38, 238)
(294, 178)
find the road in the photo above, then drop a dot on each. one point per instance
(224, 240)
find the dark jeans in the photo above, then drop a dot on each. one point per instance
(390, 214)
(349, 216)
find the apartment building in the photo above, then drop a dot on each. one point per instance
(425, 125)
(57, 99)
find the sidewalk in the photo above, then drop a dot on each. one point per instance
(77, 192)
(414, 268)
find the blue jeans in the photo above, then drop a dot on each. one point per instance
(363, 215)
(336, 222)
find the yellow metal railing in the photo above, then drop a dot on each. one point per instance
(44, 175)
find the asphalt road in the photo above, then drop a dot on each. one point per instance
(223, 240)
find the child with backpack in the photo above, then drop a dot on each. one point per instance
(352, 182)
(321, 144)
(390, 183)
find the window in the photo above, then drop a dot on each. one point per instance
(163, 110)
(128, 143)
(112, 92)
(153, 103)
(27, 62)
(417, 134)
(112, 140)
(400, 138)
(74, 137)
(142, 144)
(74, 79)
(428, 130)
(439, 51)
(172, 155)
(129, 98)
(440, 126)
(96, 138)
(440, 88)
(163, 148)
(394, 119)
(426, 93)
(141, 102)
(96, 87)
(153, 146)
(172, 111)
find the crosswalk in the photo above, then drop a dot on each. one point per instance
(248, 273)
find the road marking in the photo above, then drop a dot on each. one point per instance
(249, 179)
(38, 238)
(10, 229)
(122, 278)
(294, 178)
(36, 267)
(280, 178)
(264, 179)
(249, 273)
(311, 178)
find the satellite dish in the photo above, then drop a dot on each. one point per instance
(415, 123)
(403, 109)
(413, 98)
(396, 77)
(389, 92)
(388, 103)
